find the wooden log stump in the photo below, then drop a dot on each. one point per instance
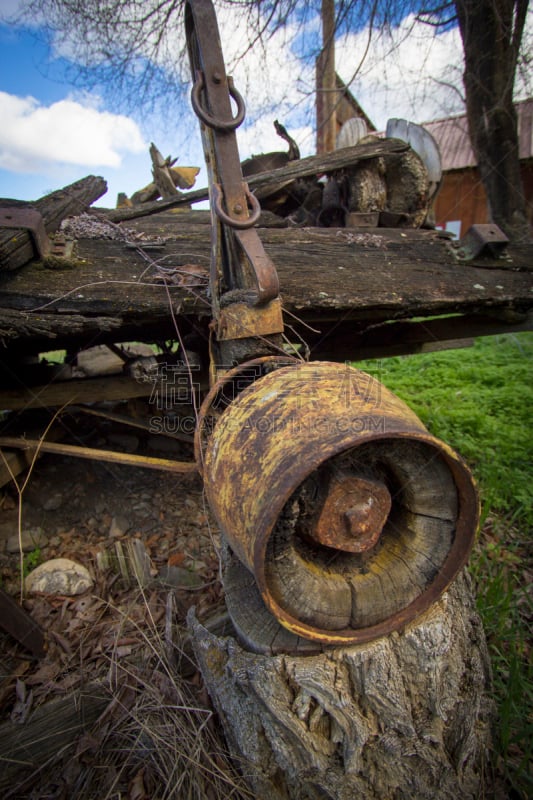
(404, 716)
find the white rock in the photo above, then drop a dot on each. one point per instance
(119, 526)
(53, 502)
(59, 576)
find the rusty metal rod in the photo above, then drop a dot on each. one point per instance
(110, 456)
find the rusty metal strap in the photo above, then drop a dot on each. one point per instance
(28, 219)
(264, 269)
(236, 208)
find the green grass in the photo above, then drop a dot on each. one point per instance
(30, 561)
(480, 401)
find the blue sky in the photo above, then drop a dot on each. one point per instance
(114, 147)
(53, 134)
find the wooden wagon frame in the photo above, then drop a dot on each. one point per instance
(113, 277)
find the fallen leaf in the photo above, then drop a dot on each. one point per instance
(45, 673)
(136, 788)
(23, 703)
(176, 559)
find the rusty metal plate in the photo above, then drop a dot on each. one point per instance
(27, 219)
(482, 240)
(239, 320)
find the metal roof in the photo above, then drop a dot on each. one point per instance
(451, 135)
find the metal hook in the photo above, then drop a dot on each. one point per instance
(242, 224)
(206, 118)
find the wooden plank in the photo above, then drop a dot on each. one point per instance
(378, 276)
(19, 624)
(349, 340)
(326, 275)
(263, 183)
(88, 390)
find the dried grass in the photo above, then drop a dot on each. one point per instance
(158, 738)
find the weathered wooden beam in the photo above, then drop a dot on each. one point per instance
(64, 393)
(264, 183)
(20, 625)
(326, 275)
(344, 340)
(16, 245)
(381, 274)
(40, 332)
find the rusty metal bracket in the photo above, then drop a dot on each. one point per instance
(238, 224)
(240, 321)
(28, 219)
(481, 240)
(239, 263)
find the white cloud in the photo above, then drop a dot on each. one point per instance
(405, 73)
(33, 136)
(9, 9)
(411, 72)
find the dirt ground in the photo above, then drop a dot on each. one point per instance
(75, 509)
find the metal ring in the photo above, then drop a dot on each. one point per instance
(231, 221)
(206, 118)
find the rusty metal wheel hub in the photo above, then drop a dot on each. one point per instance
(352, 518)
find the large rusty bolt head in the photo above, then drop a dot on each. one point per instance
(353, 515)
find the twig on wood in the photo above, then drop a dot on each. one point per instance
(88, 286)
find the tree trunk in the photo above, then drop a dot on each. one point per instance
(405, 716)
(491, 32)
